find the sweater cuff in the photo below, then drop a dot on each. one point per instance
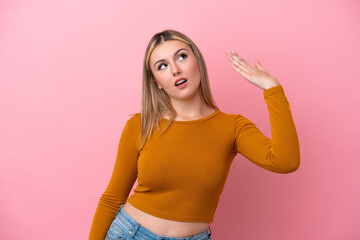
(273, 91)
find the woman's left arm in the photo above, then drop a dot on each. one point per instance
(281, 153)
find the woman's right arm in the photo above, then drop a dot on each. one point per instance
(121, 182)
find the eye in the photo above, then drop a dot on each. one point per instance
(183, 55)
(159, 68)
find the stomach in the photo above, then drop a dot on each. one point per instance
(165, 227)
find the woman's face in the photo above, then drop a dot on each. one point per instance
(173, 60)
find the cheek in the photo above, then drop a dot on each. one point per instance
(193, 68)
(193, 64)
(159, 78)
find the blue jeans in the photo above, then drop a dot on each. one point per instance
(124, 227)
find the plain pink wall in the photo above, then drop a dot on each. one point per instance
(70, 75)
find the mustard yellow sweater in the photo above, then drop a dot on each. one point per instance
(181, 174)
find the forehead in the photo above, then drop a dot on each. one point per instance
(167, 49)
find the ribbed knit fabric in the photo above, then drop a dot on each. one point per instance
(181, 174)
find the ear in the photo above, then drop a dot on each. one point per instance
(158, 84)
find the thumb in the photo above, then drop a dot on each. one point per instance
(258, 65)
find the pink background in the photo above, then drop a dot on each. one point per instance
(70, 75)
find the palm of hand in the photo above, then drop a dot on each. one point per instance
(256, 75)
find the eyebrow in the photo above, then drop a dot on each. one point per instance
(174, 55)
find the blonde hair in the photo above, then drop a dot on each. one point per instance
(155, 101)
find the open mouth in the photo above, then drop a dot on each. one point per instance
(182, 81)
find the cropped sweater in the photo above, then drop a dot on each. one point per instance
(181, 173)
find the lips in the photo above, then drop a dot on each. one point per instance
(179, 80)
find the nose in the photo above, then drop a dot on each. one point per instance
(175, 69)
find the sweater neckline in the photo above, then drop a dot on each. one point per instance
(195, 120)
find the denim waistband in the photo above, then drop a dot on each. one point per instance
(134, 227)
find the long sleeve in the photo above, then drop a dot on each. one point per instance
(281, 154)
(120, 185)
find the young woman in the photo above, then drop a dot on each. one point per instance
(181, 146)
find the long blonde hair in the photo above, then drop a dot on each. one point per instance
(155, 101)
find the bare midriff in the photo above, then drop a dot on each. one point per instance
(164, 227)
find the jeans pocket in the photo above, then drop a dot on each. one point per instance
(116, 232)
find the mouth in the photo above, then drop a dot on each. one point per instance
(180, 81)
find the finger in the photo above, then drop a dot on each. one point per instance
(258, 65)
(241, 66)
(236, 60)
(242, 61)
(237, 69)
(241, 71)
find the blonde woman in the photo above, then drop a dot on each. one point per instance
(181, 146)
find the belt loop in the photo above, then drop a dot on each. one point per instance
(132, 232)
(210, 231)
(118, 211)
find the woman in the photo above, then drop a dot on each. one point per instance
(181, 146)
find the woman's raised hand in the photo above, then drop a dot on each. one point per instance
(256, 75)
